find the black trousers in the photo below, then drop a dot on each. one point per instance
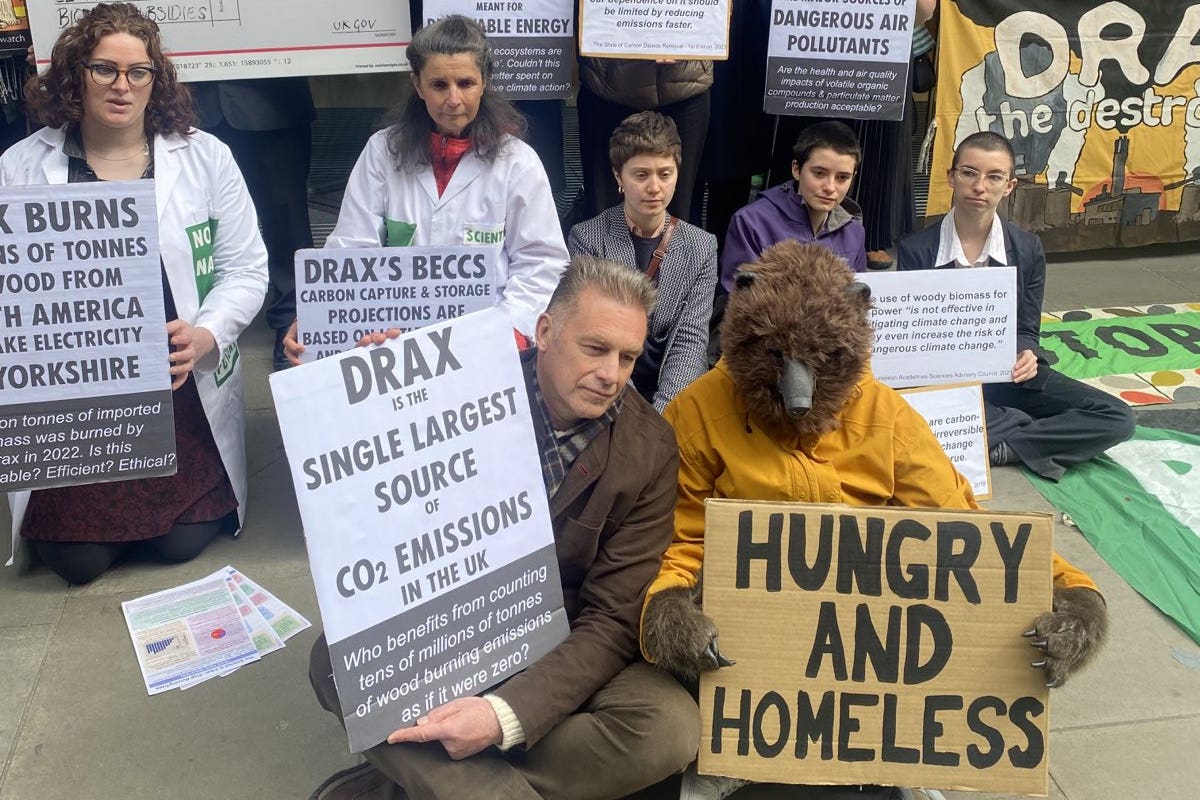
(1064, 422)
(597, 119)
(82, 562)
(275, 166)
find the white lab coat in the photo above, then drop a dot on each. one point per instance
(509, 197)
(195, 180)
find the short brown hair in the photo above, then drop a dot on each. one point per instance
(614, 281)
(55, 97)
(645, 133)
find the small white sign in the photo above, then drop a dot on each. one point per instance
(223, 39)
(943, 326)
(344, 293)
(955, 415)
(654, 28)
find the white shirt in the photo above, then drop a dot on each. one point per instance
(950, 246)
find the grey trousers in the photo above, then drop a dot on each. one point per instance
(638, 729)
(1064, 422)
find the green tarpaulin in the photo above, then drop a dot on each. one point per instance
(1139, 506)
(1121, 345)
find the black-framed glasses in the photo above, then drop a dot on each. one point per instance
(106, 74)
(969, 176)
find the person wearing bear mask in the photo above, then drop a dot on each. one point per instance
(793, 413)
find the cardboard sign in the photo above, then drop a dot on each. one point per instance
(533, 43)
(425, 518)
(943, 326)
(209, 40)
(1104, 126)
(839, 58)
(678, 29)
(875, 645)
(85, 387)
(345, 293)
(955, 415)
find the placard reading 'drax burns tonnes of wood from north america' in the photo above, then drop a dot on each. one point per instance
(876, 646)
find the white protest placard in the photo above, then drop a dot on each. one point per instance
(223, 39)
(533, 43)
(344, 293)
(679, 29)
(425, 517)
(839, 58)
(955, 415)
(943, 326)
(85, 387)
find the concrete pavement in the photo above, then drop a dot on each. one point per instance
(75, 720)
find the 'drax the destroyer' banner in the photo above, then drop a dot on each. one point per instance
(1101, 101)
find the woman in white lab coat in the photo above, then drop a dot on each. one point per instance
(115, 111)
(451, 171)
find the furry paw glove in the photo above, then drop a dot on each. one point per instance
(1070, 634)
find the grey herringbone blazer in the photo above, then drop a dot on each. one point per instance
(687, 279)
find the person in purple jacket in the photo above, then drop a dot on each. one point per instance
(811, 208)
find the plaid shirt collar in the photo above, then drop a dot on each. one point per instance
(560, 449)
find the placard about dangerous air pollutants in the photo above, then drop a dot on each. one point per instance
(425, 517)
(876, 645)
(85, 386)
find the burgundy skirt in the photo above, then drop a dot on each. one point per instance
(143, 508)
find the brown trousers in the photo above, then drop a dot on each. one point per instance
(638, 729)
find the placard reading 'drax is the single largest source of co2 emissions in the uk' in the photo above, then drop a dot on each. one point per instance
(425, 517)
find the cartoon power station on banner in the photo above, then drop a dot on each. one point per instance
(1101, 101)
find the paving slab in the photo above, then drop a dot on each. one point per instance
(22, 651)
(1154, 760)
(1084, 285)
(257, 733)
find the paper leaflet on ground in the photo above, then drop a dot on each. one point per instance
(168, 629)
(188, 634)
(283, 619)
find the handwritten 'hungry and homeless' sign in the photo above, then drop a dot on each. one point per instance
(875, 645)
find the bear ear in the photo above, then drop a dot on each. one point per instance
(859, 289)
(744, 278)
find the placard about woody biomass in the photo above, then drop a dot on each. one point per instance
(935, 326)
(839, 58)
(85, 387)
(425, 517)
(876, 645)
(344, 293)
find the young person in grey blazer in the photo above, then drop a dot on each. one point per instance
(640, 233)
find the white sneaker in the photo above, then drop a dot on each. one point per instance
(707, 787)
